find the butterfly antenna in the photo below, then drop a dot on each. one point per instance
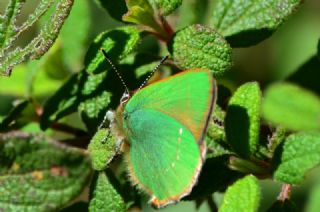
(115, 69)
(154, 70)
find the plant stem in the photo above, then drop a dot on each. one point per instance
(285, 192)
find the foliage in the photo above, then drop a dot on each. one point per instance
(55, 141)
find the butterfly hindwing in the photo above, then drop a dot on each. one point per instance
(164, 157)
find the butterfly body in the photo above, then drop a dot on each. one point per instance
(164, 125)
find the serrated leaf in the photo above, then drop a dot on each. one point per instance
(243, 195)
(10, 57)
(38, 174)
(103, 147)
(116, 9)
(313, 203)
(166, 6)
(246, 23)
(299, 153)
(105, 196)
(198, 46)
(291, 107)
(242, 121)
(118, 43)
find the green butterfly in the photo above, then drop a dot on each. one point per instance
(163, 126)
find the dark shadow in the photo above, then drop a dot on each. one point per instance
(79, 207)
(215, 176)
(276, 160)
(283, 206)
(224, 95)
(308, 75)
(249, 37)
(116, 9)
(237, 129)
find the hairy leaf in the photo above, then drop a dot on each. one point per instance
(291, 107)
(118, 43)
(38, 174)
(243, 195)
(103, 147)
(166, 6)
(296, 156)
(243, 119)
(105, 195)
(198, 46)
(9, 56)
(245, 23)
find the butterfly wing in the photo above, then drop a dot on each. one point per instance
(164, 158)
(164, 122)
(188, 97)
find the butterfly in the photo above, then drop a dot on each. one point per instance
(163, 125)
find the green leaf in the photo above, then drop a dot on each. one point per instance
(291, 107)
(298, 154)
(215, 136)
(116, 9)
(103, 147)
(243, 119)
(166, 6)
(13, 117)
(94, 100)
(105, 195)
(39, 174)
(63, 102)
(9, 56)
(140, 12)
(313, 203)
(198, 46)
(118, 43)
(88, 94)
(243, 195)
(246, 23)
